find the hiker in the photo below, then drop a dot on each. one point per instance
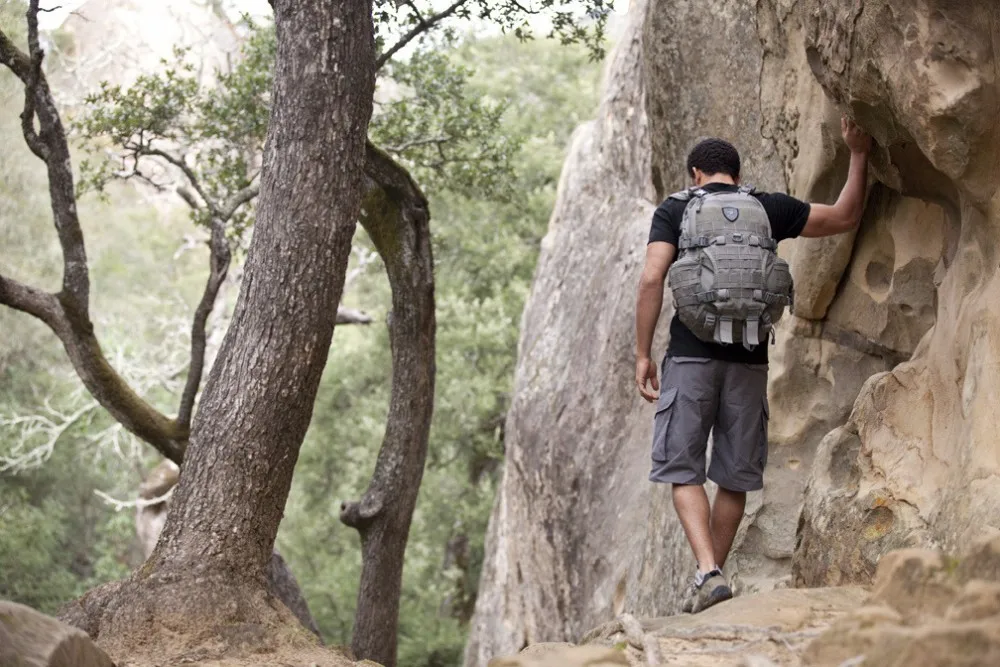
(729, 288)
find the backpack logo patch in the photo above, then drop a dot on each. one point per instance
(731, 213)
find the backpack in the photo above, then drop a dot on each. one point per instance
(729, 285)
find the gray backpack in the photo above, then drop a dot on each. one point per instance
(729, 285)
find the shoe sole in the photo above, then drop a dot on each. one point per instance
(720, 594)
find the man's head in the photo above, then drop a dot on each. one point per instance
(713, 160)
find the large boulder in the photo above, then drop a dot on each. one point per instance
(883, 386)
(918, 461)
(926, 609)
(566, 541)
(31, 639)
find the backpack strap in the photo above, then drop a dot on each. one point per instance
(751, 333)
(683, 195)
(747, 189)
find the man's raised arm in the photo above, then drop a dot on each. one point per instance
(843, 216)
(649, 300)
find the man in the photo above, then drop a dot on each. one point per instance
(718, 380)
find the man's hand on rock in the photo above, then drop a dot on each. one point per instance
(645, 371)
(856, 139)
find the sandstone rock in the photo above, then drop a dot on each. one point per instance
(563, 655)
(883, 386)
(149, 516)
(926, 453)
(919, 614)
(31, 639)
(916, 583)
(771, 628)
(557, 558)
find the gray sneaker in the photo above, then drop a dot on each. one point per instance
(713, 589)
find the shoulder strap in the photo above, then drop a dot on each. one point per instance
(682, 195)
(747, 190)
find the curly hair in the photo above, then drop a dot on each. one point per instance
(714, 156)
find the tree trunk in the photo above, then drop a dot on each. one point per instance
(209, 567)
(259, 398)
(396, 219)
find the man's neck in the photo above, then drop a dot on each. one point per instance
(719, 180)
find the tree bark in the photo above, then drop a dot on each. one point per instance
(209, 567)
(67, 313)
(259, 397)
(397, 221)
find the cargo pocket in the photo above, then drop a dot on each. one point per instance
(661, 423)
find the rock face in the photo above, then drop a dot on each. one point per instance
(31, 639)
(549, 572)
(926, 609)
(883, 386)
(918, 461)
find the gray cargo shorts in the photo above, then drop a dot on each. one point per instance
(698, 395)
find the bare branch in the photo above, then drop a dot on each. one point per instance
(138, 503)
(360, 514)
(29, 300)
(219, 267)
(146, 149)
(397, 220)
(417, 30)
(49, 427)
(68, 312)
(416, 12)
(189, 198)
(439, 141)
(14, 59)
(352, 316)
(242, 197)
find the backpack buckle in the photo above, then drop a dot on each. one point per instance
(738, 237)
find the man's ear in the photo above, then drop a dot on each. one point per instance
(696, 175)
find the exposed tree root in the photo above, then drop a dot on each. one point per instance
(203, 618)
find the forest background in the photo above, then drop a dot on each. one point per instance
(60, 532)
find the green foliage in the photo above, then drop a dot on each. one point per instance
(447, 138)
(570, 21)
(57, 537)
(32, 535)
(505, 111)
(213, 134)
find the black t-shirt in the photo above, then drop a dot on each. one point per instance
(788, 217)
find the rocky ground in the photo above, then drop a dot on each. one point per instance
(924, 609)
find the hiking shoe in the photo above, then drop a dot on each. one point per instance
(687, 607)
(712, 590)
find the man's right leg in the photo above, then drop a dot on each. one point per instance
(689, 399)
